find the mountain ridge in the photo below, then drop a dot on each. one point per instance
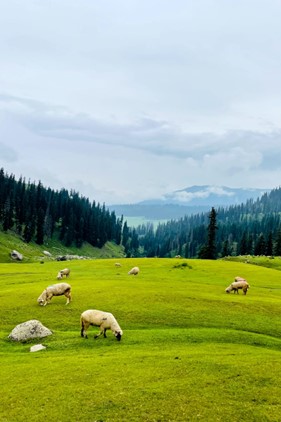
(190, 200)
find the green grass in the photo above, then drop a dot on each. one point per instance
(189, 352)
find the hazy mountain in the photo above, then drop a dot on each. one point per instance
(190, 200)
(207, 195)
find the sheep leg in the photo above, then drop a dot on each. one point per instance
(49, 297)
(99, 334)
(68, 296)
(104, 333)
(84, 328)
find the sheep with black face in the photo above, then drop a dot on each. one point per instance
(103, 320)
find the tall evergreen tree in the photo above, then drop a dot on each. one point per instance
(260, 245)
(8, 215)
(243, 247)
(125, 234)
(225, 249)
(269, 245)
(40, 227)
(208, 251)
(277, 244)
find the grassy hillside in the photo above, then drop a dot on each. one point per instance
(33, 253)
(189, 351)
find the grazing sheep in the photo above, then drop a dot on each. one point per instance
(61, 273)
(117, 264)
(101, 319)
(134, 271)
(55, 290)
(239, 283)
(178, 256)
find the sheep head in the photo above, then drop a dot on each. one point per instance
(118, 335)
(42, 298)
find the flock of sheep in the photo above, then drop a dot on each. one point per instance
(103, 320)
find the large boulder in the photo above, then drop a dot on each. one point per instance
(47, 253)
(16, 255)
(29, 330)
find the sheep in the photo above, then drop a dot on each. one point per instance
(239, 283)
(103, 320)
(117, 264)
(55, 290)
(134, 271)
(61, 273)
(178, 256)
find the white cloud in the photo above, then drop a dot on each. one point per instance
(132, 99)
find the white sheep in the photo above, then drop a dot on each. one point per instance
(61, 273)
(103, 320)
(239, 283)
(117, 264)
(134, 271)
(55, 290)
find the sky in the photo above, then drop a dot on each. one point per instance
(129, 100)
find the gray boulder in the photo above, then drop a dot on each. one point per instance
(29, 330)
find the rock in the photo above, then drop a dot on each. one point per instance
(16, 255)
(37, 347)
(29, 330)
(70, 257)
(61, 258)
(47, 253)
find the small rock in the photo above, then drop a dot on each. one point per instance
(37, 347)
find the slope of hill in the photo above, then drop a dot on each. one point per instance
(34, 253)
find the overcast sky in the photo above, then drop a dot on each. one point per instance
(125, 100)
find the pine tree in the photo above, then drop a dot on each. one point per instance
(208, 251)
(40, 227)
(243, 247)
(269, 245)
(8, 215)
(225, 248)
(277, 245)
(125, 234)
(260, 245)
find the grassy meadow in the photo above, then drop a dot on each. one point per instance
(189, 352)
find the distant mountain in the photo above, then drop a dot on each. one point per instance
(207, 195)
(191, 200)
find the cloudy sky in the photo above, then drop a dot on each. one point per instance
(131, 99)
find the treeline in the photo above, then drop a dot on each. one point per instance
(252, 228)
(37, 214)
